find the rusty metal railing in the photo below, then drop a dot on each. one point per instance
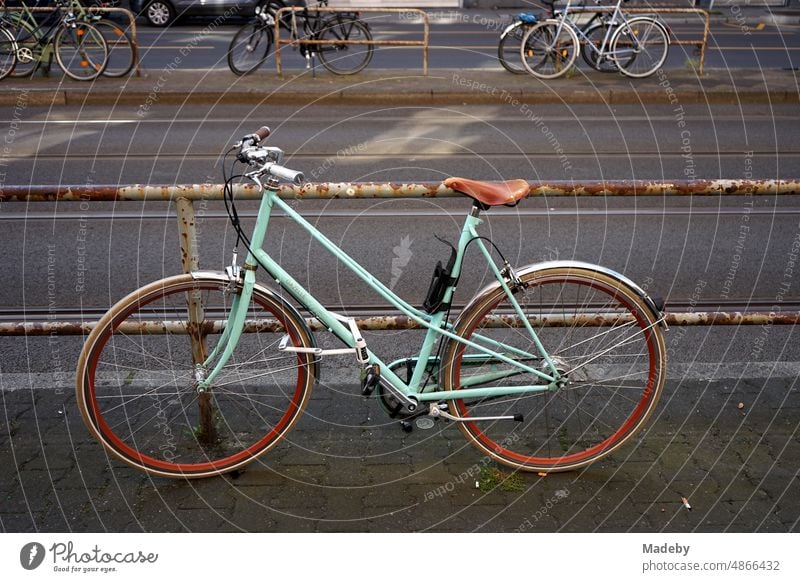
(184, 197)
(295, 9)
(97, 9)
(701, 43)
(346, 190)
(396, 322)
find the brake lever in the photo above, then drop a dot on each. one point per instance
(251, 141)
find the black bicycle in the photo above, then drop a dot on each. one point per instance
(252, 43)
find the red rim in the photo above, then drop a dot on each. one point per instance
(496, 448)
(188, 468)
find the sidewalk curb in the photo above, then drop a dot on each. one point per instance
(401, 87)
(74, 98)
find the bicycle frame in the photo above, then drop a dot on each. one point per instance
(43, 32)
(434, 323)
(616, 12)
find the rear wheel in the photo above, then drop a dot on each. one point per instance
(121, 57)
(340, 58)
(640, 47)
(249, 47)
(603, 340)
(136, 379)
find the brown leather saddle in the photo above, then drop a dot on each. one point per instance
(488, 194)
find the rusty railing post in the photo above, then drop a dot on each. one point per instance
(190, 261)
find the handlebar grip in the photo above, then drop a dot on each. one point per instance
(262, 132)
(287, 175)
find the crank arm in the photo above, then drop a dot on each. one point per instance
(437, 412)
(285, 347)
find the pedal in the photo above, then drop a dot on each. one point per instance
(370, 376)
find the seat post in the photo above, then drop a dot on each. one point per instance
(477, 206)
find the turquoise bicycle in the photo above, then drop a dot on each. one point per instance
(549, 368)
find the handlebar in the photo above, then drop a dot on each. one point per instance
(267, 160)
(282, 173)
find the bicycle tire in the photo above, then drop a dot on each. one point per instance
(549, 49)
(651, 46)
(343, 59)
(121, 55)
(249, 47)
(135, 381)
(81, 51)
(595, 35)
(615, 373)
(8, 52)
(508, 49)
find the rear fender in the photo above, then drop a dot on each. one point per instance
(654, 304)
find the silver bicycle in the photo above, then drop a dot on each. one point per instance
(637, 47)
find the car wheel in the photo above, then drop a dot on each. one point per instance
(159, 13)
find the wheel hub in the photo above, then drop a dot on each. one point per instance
(158, 13)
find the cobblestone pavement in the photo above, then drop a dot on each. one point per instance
(346, 467)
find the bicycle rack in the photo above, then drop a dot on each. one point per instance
(420, 43)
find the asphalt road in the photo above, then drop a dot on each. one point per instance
(724, 435)
(730, 253)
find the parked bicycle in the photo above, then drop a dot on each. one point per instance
(637, 47)
(121, 50)
(550, 367)
(78, 47)
(250, 46)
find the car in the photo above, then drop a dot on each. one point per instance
(163, 12)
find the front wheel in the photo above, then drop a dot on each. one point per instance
(81, 51)
(136, 384)
(249, 47)
(601, 337)
(342, 58)
(640, 47)
(549, 49)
